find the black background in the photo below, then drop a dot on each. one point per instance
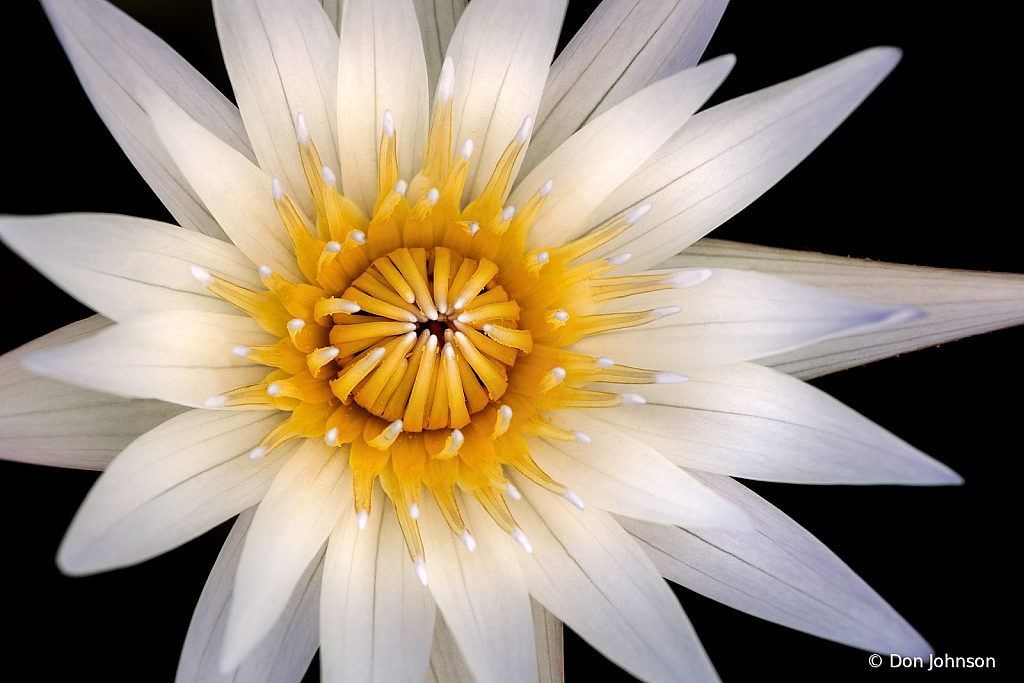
(907, 178)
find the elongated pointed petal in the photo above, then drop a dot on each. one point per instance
(735, 316)
(380, 67)
(437, 20)
(728, 156)
(778, 572)
(589, 572)
(235, 190)
(958, 303)
(110, 51)
(597, 159)
(620, 474)
(170, 485)
(283, 655)
(124, 266)
(92, 427)
(281, 56)
(288, 533)
(377, 619)
(748, 421)
(482, 595)
(446, 662)
(179, 356)
(502, 51)
(621, 49)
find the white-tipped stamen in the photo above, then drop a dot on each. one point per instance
(583, 438)
(301, 129)
(362, 517)
(240, 351)
(604, 362)
(561, 316)
(669, 378)
(512, 491)
(331, 437)
(522, 540)
(433, 195)
(665, 311)
(636, 214)
(446, 86)
(468, 540)
(389, 123)
(296, 324)
(257, 453)
(202, 275)
(392, 431)
(357, 236)
(619, 259)
(401, 186)
(421, 570)
(688, 278)
(508, 212)
(273, 389)
(414, 511)
(328, 176)
(467, 149)
(545, 189)
(265, 271)
(558, 373)
(631, 399)
(333, 247)
(574, 498)
(543, 257)
(346, 306)
(276, 190)
(523, 134)
(474, 227)
(215, 401)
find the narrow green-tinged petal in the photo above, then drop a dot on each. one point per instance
(282, 58)
(958, 303)
(446, 662)
(47, 422)
(332, 8)
(124, 266)
(178, 356)
(110, 51)
(547, 631)
(283, 655)
(749, 421)
(778, 572)
(728, 156)
(481, 595)
(590, 573)
(170, 485)
(380, 67)
(735, 316)
(377, 620)
(287, 535)
(617, 473)
(597, 159)
(502, 51)
(235, 190)
(437, 20)
(621, 49)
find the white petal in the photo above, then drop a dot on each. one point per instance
(482, 595)
(735, 316)
(549, 638)
(170, 485)
(446, 662)
(235, 190)
(747, 421)
(287, 534)
(437, 20)
(281, 56)
(502, 51)
(778, 572)
(283, 655)
(728, 156)
(621, 49)
(124, 266)
(109, 51)
(615, 472)
(377, 620)
(598, 158)
(380, 67)
(958, 303)
(178, 356)
(590, 573)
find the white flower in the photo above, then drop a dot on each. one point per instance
(84, 290)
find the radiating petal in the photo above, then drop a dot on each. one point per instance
(178, 356)
(380, 66)
(735, 316)
(748, 421)
(235, 190)
(597, 159)
(124, 266)
(288, 533)
(437, 20)
(110, 51)
(377, 620)
(615, 472)
(728, 156)
(283, 655)
(958, 303)
(621, 49)
(590, 573)
(482, 596)
(778, 572)
(47, 422)
(446, 662)
(502, 51)
(282, 57)
(170, 485)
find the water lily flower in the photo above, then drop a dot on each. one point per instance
(422, 329)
